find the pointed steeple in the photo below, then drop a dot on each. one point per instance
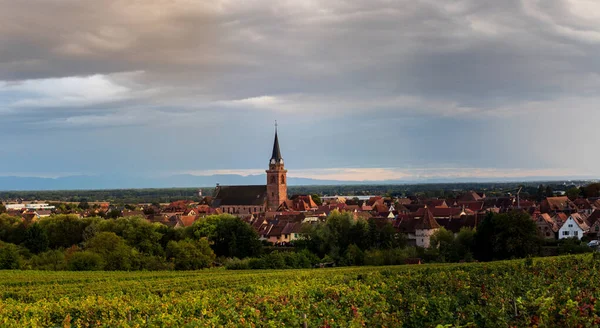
(276, 152)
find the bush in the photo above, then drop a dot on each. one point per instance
(354, 255)
(395, 256)
(190, 254)
(9, 257)
(85, 261)
(572, 246)
(275, 260)
(115, 253)
(50, 260)
(237, 264)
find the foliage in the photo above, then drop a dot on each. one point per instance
(9, 256)
(49, 260)
(573, 246)
(36, 239)
(445, 247)
(505, 236)
(85, 261)
(315, 197)
(394, 256)
(340, 230)
(115, 253)
(137, 232)
(64, 230)
(573, 193)
(228, 235)
(12, 229)
(190, 254)
(548, 292)
(275, 260)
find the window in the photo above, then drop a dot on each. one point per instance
(282, 179)
(575, 233)
(565, 233)
(597, 228)
(272, 179)
(570, 226)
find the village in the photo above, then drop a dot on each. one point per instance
(280, 220)
(556, 217)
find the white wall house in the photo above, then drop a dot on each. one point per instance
(572, 228)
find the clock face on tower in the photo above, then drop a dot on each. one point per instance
(272, 161)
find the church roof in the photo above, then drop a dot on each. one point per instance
(240, 195)
(276, 152)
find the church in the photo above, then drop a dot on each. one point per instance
(244, 200)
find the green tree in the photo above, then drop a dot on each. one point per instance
(9, 256)
(573, 193)
(354, 255)
(505, 236)
(64, 230)
(113, 214)
(12, 229)
(137, 232)
(591, 190)
(49, 260)
(36, 239)
(443, 240)
(359, 234)
(115, 253)
(228, 235)
(465, 243)
(85, 261)
(2, 208)
(190, 254)
(315, 197)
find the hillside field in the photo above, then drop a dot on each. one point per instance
(549, 292)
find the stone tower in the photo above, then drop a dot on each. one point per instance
(276, 178)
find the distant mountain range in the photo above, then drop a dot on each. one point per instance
(86, 182)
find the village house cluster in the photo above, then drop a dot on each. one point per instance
(280, 219)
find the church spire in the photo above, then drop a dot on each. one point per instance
(276, 156)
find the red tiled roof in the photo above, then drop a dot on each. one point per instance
(188, 220)
(427, 222)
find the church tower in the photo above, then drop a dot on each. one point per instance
(276, 178)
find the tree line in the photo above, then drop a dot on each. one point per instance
(67, 242)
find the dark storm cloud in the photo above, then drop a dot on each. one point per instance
(464, 71)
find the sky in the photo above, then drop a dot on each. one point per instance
(361, 90)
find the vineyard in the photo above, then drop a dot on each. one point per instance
(550, 292)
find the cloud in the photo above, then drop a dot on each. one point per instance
(67, 91)
(460, 84)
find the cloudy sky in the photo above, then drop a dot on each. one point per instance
(372, 89)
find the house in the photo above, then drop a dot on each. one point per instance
(187, 220)
(594, 223)
(574, 226)
(470, 197)
(300, 203)
(584, 205)
(547, 227)
(43, 213)
(557, 204)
